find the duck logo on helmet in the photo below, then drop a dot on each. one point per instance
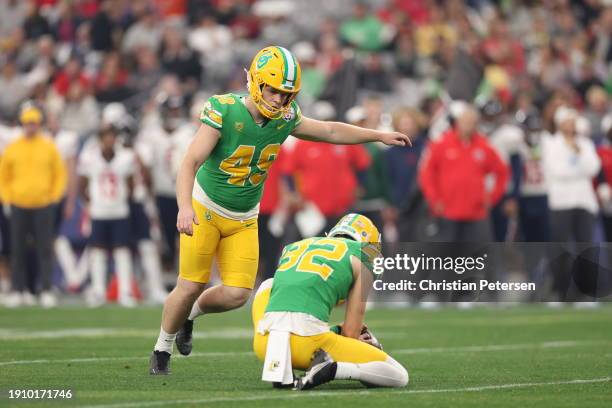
(263, 60)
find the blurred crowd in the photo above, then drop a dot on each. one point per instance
(507, 104)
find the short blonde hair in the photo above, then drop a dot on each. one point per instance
(416, 115)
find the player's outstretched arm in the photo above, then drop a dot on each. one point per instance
(343, 133)
(357, 298)
(202, 144)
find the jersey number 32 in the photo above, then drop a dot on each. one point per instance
(308, 255)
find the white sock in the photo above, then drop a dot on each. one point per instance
(82, 268)
(165, 341)
(98, 271)
(123, 264)
(149, 257)
(66, 259)
(387, 373)
(347, 371)
(195, 311)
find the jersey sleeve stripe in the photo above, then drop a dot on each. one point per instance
(210, 122)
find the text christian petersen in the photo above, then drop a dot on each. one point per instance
(458, 265)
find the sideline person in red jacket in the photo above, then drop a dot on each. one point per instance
(453, 178)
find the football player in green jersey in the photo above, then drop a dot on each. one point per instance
(291, 312)
(220, 183)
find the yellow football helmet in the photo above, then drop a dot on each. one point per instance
(276, 67)
(361, 229)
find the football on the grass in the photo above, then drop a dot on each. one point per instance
(367, 337)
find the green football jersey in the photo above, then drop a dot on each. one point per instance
(233, 175)
(313, 276)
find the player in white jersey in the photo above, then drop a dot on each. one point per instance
(141, 206)
(162, 142)
(533, 201)
(140, 213)
(505, 137)
(184, 135)
(106, 179)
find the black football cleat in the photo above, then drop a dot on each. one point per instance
(322, 370)
(184, 338)
(160, 363)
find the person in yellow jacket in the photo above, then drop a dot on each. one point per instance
(32, 180)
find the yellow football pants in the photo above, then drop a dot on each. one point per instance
(340, 348)
(235, 244)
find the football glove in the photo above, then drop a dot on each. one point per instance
(366, 335)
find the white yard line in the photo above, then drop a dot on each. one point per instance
(328, 394)
(466, 349)
(17, 334)
(497, 347)
(128, 358)
(535, 320)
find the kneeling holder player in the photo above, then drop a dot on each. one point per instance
(291, 312)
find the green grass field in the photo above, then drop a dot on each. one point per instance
(519, 357)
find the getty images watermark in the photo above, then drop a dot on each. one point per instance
(498, 272)
(459, 265)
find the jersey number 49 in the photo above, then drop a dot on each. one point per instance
(238, 165)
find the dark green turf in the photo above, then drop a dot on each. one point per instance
(422, 340)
